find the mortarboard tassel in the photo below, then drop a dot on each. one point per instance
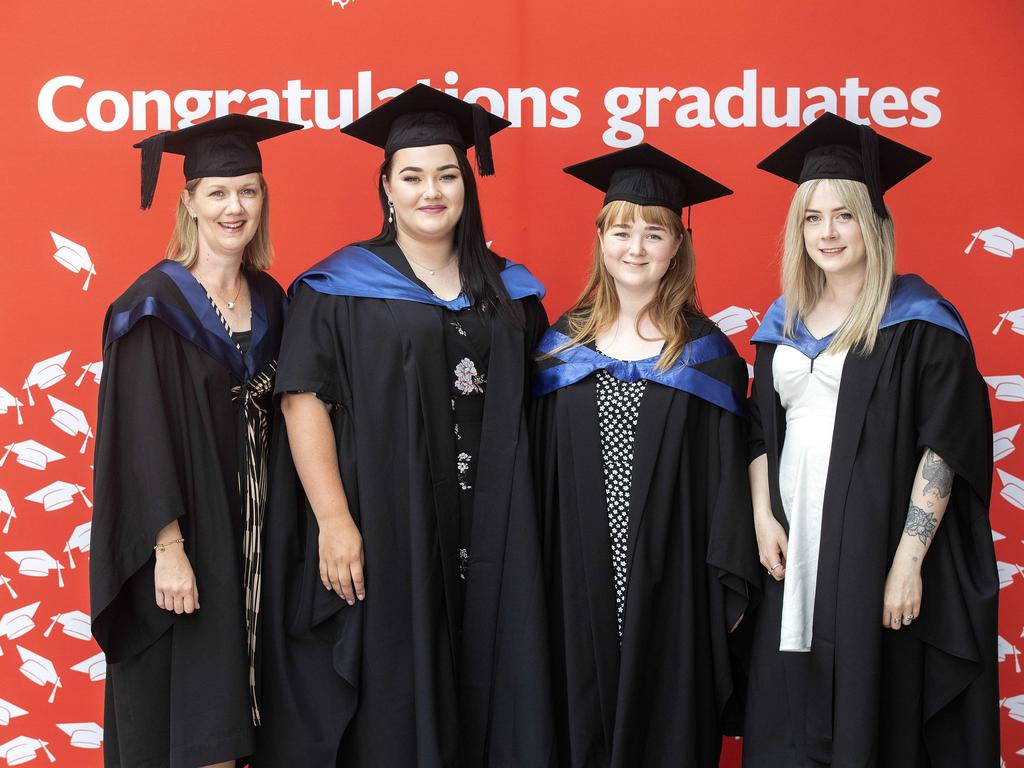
(482, 140)
(872, 176)
(152, 152)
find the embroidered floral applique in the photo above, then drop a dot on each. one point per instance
(463, 563)
(458, 434)
(467, 380)
(455, 324)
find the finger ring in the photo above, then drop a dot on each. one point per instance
(772, 569)
(908, 617)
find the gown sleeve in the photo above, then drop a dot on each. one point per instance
(755, 440)
(311, 358)
(138, 484)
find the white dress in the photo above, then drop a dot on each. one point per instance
(809, 392)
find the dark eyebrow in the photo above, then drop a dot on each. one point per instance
(420, 170)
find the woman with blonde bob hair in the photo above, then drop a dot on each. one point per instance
(182, 444)
(640, 450)
(871, 427)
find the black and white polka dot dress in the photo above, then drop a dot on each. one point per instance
(618, 409)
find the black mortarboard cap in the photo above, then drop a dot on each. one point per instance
(647, 176)
(423, 116)
(224, 146)
(835, 148)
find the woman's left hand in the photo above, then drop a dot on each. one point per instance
(903, 588)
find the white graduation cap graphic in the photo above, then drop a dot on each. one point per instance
(996, 241)
(39, 670)
(83, 735)
(95, 667)
(9, 711)
(31, 454)
(79, 539)
(76, 624)
(750, 371)
(7, 583)
(1016, 706)
(735, 319)
(70, 420)
(1013, 489)
(23, 750)
(46, 373)
(1006, 573)
(6, 508)
(18, 622)
(1016, 318)
(1010, 389)
(1005, 649)
(59, 494)
(997, 536)
(8, 401)
(1002, 442)
(73, 257)
(96, 369)
(37, 563)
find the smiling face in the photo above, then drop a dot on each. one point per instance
(427, 189)
(637, 253)
(832, 235)
(227, 212)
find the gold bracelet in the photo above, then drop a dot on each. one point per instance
(161, 546)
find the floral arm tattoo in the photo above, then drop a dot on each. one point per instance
(925, 513)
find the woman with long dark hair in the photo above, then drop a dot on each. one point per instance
(639, 440)
(189, 352)
(871, 474)
(409, 604)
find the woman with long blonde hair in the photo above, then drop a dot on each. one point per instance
(639, 447)
(189, 353)
(876, 642)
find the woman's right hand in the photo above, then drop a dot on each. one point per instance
(175, 582)
(772, 545)
(341, 558)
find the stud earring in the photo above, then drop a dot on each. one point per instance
(391, 212)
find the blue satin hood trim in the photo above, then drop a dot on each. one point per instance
(579, 361)
(209, 334)
(356, 271)
(912, 299)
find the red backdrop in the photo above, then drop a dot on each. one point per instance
(718, 84)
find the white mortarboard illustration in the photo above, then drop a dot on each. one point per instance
(1013, 489)
(1006, 573)
(18, 622)
(70, 420)
(997, 536)
(9, 711)
(1002, 442)
(1016, 318)
(750, 371)
(38, 563)
(39, 670)
(23, 750)
(95, 667)
(96, 369)
(735, 319)
(997, 241)
(76, 624)
(6, 508)
(59, 494)
(1016, 706)
(83, 735)
(1008, 388)
(1004, 649)
(46, 373)
(74, 257)
(79, 539)
(8, 401)
(31, 454)
(7, 583)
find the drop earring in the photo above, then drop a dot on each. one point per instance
(391, 212)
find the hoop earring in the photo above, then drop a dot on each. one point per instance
(391, 212)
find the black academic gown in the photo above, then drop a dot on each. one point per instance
(925, 695)
(169, 447)
(415, 675)
(669, 693)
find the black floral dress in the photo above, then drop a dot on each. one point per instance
(468, 348)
